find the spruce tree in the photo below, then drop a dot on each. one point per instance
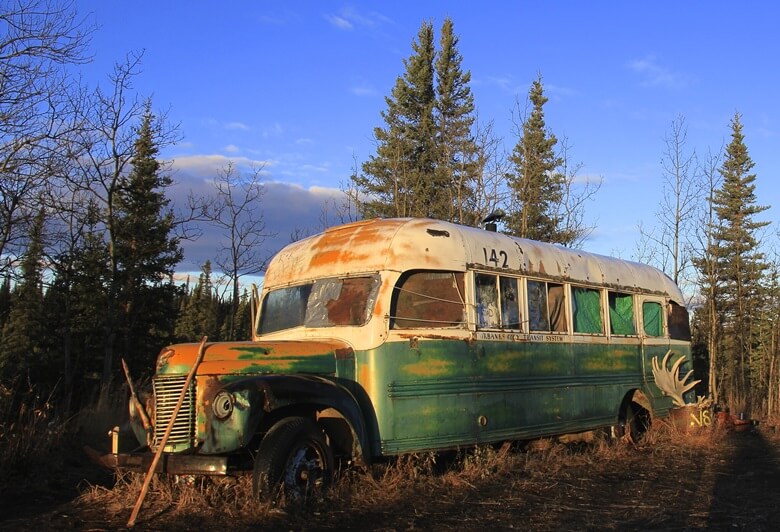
(456, 168)
(22, 336)
(400, 180)
(89, 299)
(740, 264)
(146, 252)
(536, 185)
(199, 316)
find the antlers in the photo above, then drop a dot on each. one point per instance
(666, 379)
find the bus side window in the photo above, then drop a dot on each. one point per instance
(556, 303)
(428, 299)
(586, 310)
(487, 301)
(652, 319)
(537, 306)
(621, 314)
(510, 303)
(546, 307)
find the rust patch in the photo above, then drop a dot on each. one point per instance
(429, 368)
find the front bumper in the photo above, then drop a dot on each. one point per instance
(172, 464)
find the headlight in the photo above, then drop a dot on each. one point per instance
(223, 404)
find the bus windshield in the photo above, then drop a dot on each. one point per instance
(322, 303)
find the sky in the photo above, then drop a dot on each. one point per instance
(297, 88)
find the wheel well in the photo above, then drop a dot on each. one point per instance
(641, 408)
(340, 433)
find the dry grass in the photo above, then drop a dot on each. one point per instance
(29, 432)
(391, 484)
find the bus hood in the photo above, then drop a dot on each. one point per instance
(251, 358)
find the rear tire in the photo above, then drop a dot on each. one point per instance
(634, 423)
(294, 459)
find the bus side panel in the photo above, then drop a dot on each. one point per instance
(439, 394)
(546, 388)
(422, 394)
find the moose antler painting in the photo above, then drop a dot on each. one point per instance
(666, 378)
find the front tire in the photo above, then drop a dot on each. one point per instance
(294, 459)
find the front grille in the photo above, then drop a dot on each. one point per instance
(166, 393)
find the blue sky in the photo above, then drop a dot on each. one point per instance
(299, 86)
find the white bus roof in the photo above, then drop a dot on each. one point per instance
(402, 244)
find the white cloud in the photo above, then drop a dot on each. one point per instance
(655, 75)
(363, 90)
(339, 22)
(232, 148)
(349, 18)
(237, 126)
(287, 208)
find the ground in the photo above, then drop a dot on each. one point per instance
(715, 480)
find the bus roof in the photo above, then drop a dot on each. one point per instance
(402, 244)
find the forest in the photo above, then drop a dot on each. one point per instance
(90, 240)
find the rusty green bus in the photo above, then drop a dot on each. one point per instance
(393, 336)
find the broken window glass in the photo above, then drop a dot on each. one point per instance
(487, 301)
(510, 303)
(322, 303)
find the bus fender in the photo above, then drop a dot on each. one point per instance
(272, 394)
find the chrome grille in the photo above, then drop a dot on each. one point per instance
(166, 393)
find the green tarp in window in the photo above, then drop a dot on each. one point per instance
(587, 311)
(651, 314)
(621, 313)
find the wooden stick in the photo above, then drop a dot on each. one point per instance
(168, 429)
(133, 397)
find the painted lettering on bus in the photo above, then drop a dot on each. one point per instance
(520, 337)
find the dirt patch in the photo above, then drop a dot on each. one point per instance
(713, 480)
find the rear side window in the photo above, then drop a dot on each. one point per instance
(679, 326)
(426, 299)
(652, 319)
(586, 310)
(621, 314)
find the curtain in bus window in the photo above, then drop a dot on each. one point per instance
(621, 313)
(428, 299)
(652, 318)
(587, 311)
(537, 306)
(510, 307)
(557, 306)
(487, 301)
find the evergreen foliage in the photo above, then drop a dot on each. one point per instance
(422, 166)
(457, 166)
(740, 264)
(536, 183)
(200, 313)
(21, 341)
(145, 250)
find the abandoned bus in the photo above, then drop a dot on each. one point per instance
(393, 336)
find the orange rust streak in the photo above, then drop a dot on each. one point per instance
(230, 353)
